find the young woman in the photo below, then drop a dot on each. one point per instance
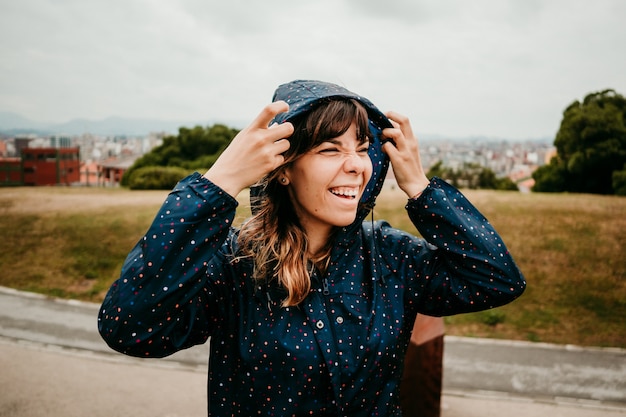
(309, 306)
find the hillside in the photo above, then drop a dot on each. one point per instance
(71, 242)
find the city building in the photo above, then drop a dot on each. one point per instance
(41, 166)
(50, 166)
(10, 171)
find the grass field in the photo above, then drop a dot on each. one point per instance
(71, 243)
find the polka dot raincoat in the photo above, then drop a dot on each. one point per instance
(340, 352)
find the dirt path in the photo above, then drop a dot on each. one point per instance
(51, 199)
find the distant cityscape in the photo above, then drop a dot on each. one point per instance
(514, 159)
(104, 158)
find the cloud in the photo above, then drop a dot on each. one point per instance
(458, 68)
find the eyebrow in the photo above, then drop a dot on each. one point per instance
(334, 141)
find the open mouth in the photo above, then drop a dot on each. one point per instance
(349, 193)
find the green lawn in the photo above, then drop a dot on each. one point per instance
(71, 243)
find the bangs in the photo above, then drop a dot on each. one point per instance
(334, 118)
(328, 120)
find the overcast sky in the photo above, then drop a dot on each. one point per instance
(500, 68)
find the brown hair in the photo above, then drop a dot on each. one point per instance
(273, 236)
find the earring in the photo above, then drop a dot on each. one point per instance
(283, 180)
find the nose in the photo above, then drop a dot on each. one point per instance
(354, 163)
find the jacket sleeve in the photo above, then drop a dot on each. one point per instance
(465, 265)
(161, 303)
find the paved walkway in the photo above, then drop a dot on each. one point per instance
(54, 364)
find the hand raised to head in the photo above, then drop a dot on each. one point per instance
(403, 152)
(253, 153)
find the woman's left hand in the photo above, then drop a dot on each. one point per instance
(404, 156)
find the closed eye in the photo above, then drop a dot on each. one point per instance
(336, 151)
(330, 151)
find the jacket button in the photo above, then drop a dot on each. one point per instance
(339, 320)
(319, 324)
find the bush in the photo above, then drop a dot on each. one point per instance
(492, 317)
(196, 148)
(156, 178)
(619, 181)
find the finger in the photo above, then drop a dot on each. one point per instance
(397, 117)
(268, 113)
(280, 159)
(282, 131)
(282, 145)
(401, 121)
(390, 150)
(395, 134)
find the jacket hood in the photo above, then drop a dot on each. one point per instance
(304, 95)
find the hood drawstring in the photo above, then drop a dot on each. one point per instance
(263, 290)
(269, 300)
(376, 261)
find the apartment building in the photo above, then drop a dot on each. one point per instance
(42, 166)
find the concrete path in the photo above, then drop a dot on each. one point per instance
(54, 363)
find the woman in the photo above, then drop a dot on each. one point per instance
(309, 306)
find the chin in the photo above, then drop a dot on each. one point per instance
(344, 221)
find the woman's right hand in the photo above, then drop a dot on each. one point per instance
(253, 153)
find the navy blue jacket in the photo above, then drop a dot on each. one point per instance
(339, 353)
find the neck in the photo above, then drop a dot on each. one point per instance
(315, 248)
(317, 242)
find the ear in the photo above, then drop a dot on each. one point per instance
(283, 178)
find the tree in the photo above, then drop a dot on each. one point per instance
(471, 175)
(591, 146)
(192, 149)
(437, 170)
(551, 178)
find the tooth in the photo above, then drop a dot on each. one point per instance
(345, 192)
